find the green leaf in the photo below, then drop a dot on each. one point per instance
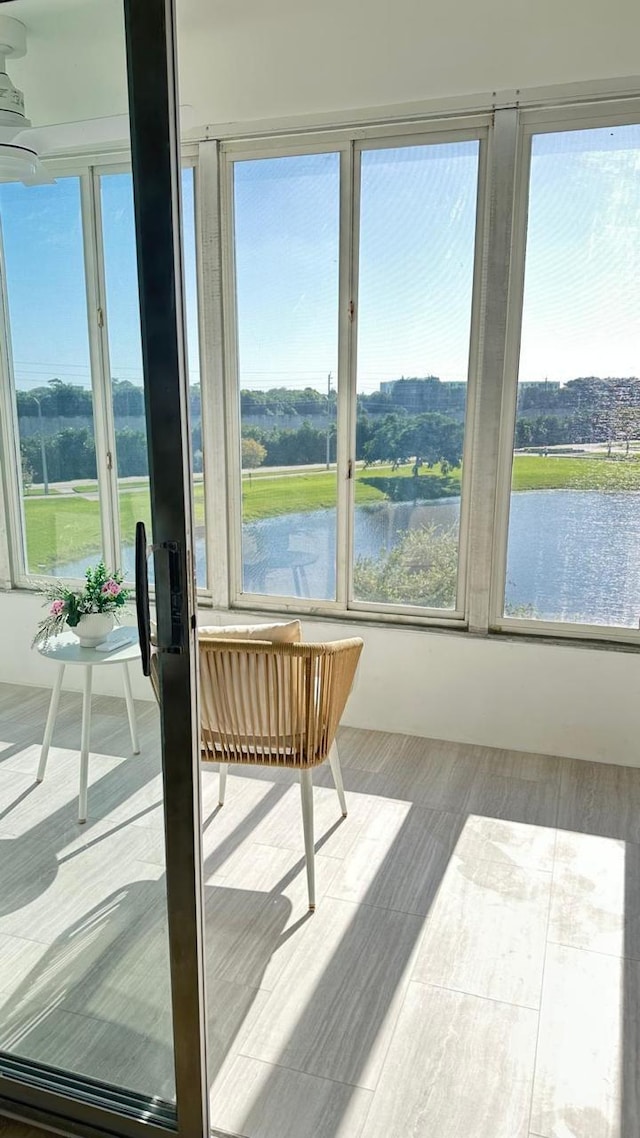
(73, 614)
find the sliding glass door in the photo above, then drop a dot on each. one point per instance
(101, 991)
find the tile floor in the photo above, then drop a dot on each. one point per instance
(472, 969)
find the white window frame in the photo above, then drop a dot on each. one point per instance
(504, 132)
(13, 557)
(531, 122)
(17, 552)
(229, 154)
(434, 137)
(349, 147)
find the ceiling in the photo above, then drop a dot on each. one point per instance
(249, 59)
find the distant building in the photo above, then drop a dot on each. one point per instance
(417, 396)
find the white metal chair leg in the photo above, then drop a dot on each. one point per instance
(222, 788)
(334, 763)
(131, 711)
(306, 789)
(84, 745)
(51, 720)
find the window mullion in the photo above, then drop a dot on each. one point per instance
(510, 386)
(231, 409)
(492, 364)
(345, 443)
(13, 534)
(212, 393)
(100, 368)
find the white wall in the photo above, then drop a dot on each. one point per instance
(291, 57)
(580, 702)
(252, 59)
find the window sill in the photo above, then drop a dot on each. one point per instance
(628, 641)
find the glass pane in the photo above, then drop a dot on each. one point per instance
(85, 986)
(574, 527)
(123, 324)
(417, 237)
(43, 252)
(286, 250)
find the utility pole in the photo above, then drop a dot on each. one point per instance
(43, 449)
(329, 421)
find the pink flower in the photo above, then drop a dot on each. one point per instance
(57, 608)
(111, 588)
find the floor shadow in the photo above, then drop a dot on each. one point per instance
(101, 975)
(98, 1002)
(244, 930)
(29, 861)
(340, 1020)
(214, 861)
(26, 727)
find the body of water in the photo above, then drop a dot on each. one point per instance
(573, 555)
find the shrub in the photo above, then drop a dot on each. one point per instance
(253, 454)
(420, 570)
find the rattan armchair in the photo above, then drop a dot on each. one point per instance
(276, 704)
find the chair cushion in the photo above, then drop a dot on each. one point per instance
(289, 632)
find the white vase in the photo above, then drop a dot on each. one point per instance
(93, 628)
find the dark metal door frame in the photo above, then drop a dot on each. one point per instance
(156, 183)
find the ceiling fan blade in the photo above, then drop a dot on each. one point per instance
(88, 135)
(41, 177)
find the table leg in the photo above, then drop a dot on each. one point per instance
(131, 711)
(304, 582)
(84, 745)
(51, 720)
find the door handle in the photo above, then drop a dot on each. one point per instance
(176, 597)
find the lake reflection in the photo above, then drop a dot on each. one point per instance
(573, 555)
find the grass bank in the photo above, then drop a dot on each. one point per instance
(64, 528)
(539, 472)
(67, 527)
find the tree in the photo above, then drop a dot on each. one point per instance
(128, 399)
(131, 449)
(524, 433)
(427, 439)
(253, 454)
(421, 570)
(388, 442)
(27, 472)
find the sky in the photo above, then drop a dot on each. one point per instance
(43, 249)
(416, 243)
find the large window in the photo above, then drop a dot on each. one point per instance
(574, 530)
(286, 213)
(125, 358)
(81, 433)
(351, 343)
(420, 351)
(45, 285)
(416, 261)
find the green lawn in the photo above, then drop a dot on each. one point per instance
(288, 493)
(60, 530)
(536, 472)
(65, 528)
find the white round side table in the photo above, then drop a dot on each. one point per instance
(121, 647)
